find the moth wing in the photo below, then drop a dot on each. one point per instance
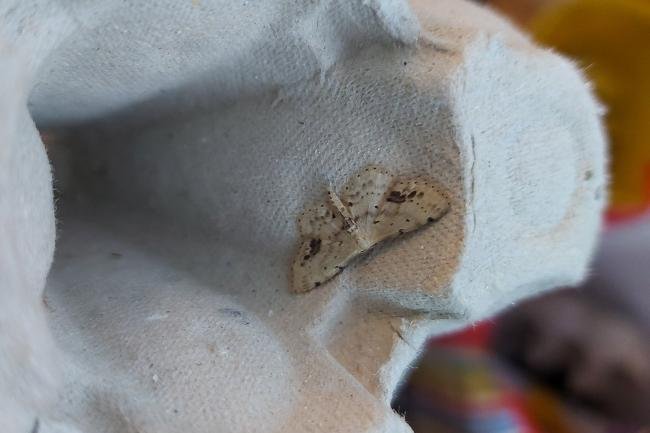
(406, 206)
(320, 222)
(320, 259)
(327, 246)
(363, 195)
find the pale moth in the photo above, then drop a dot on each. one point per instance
(373, 206)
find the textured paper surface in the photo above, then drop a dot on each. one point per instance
(186, 137)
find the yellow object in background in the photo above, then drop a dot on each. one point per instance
(611, 40)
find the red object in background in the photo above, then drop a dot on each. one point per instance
(460, 387)
(476, 336)
(616, 216)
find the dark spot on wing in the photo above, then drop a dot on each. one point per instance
(314, 247)
(412, 194)
(396, 197)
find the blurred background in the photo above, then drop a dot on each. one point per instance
(578, 359)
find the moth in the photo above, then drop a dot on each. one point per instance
(373, 206)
